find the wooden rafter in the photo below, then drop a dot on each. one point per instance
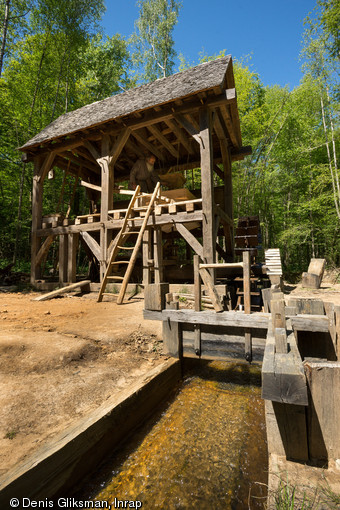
(163, 140)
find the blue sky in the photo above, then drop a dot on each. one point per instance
(268, 30)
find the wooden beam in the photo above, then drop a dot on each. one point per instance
(150, 147)
(92, 244)
(37, 196)
(164, 141)
(190, 239)
(91, 186)
(247, 303)
(211, 289)
(63, 258)
(44, 249)
(223, 215)
(180, 135)
(118, 145)
(73, 240)
(92, 149)
(63, 290)
(229, 124)
(206, 149)
(188, 127)
(237, 319)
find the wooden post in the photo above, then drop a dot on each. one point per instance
(337, 330)
(247, 303)
(209, 239)
(106, 205)
(37, 194)
(146, 249)
(198, 298)
(172, 343)
(72, 257)
(63, 258)
(228, 196)
(158, 254)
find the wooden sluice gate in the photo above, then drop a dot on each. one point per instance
(298, 342)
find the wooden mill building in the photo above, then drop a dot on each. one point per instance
(188, 120)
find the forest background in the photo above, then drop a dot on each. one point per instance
(54, 58)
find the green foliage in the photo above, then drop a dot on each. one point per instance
(153, 44)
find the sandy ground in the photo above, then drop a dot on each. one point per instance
(60, 359)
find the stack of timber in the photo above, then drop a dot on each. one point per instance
(248, 235)
(273, 262)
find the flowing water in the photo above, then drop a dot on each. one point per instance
(205, 450)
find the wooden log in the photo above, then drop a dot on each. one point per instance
(172, 344)
(91, 186)
(84, 285)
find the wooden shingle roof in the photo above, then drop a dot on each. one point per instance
(178, 86)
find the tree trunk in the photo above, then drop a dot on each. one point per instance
(4, 34)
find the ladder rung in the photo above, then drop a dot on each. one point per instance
(128, 233)
(120, 262)
(126, 247)
(115, 278)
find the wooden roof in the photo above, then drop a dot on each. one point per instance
(162, 117)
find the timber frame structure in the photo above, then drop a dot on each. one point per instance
(188, 120)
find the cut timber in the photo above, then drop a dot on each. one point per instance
(313, 277)
(212, 292)
(283, 376)
(237, 319)
(247, 303)
(273, 261)
(63, 290)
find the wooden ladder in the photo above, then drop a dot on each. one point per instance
(123, 235)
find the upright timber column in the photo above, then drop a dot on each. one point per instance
(209, 238)
(106, 202)
(228, 197)
(37, 194)
(41, 167)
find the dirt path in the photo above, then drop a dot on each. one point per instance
(60, 359)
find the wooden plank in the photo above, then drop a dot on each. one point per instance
(190, 239)
(92, 244)
(63, 290)
(307, 306)
(147, 255)
(237, 319)
(291, 421)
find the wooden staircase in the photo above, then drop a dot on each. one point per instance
(119, 246)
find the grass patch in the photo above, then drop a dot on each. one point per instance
(11, 434)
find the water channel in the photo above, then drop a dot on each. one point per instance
(205, 449)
